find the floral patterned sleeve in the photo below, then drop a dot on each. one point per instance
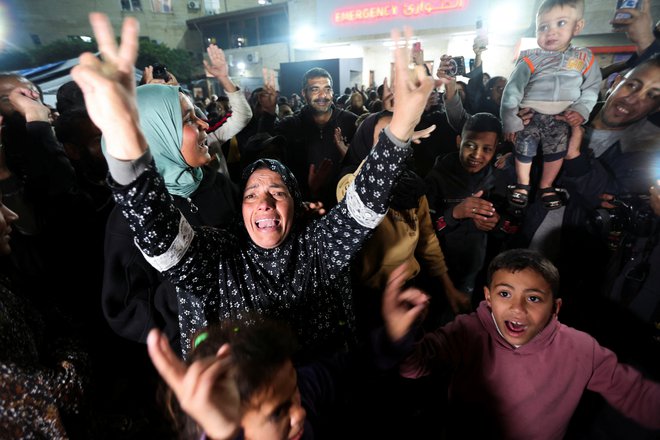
(348, 224)
(187, 256)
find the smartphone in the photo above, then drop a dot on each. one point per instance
(625, 4)
(481, 41)
(417, 54)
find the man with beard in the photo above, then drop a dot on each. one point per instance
(317, 137)
(622, 159)
(612, 268)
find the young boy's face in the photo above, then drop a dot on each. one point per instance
(556, 28)
(522, 304)
(276, 413)
(477, 149)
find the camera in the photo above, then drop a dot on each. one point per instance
(631, 213)
(456, 66)
(160, 72)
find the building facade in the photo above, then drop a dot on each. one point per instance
(266, 33)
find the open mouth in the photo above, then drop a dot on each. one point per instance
(474, 163)
(623, 110)
(514, 327)
(267, 223)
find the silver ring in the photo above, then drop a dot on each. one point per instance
(474, 210)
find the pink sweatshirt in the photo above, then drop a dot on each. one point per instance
(530, 392)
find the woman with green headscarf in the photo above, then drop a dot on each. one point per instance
(135, 296)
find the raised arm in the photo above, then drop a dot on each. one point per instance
(206, 390)
(109, 87)
(241, 111)
(367, 198)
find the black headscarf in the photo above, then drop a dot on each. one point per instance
(287, 177)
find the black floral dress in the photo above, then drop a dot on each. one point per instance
(41, 378)
(221, 274)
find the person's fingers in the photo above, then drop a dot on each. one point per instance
(193, 380)
(271, 79)
(326, 165)
(89, 60)
(105, 36)
(128, 49)
(424, 133)
(224, 350)
(88, 77)
(171, 368)
(203, 385)
(396, 279)
(413, 296)
(400, 60)
(19, 92)
(208, 68)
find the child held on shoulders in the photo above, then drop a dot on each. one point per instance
(512, 361)
(560, 83)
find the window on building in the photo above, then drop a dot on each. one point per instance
(131, 5)
(212, 7)
(273, 28)
(269, 25)
(161, 6)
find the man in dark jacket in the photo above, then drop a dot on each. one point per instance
(317, 137)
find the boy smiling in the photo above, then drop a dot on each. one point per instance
(514, 363)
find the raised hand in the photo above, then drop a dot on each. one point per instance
(655, 198)
(445, 79)
(638, 27)
(206, 389)
(417, 136)
(27, 103)
(340, 142)
(412, 89)
(388, 96)
(401, 308)
(108, 86)
(218, 64)
(318, 176)
(268, 98)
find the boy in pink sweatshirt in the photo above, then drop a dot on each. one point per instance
(513, 365)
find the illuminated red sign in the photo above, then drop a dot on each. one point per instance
(388, 10)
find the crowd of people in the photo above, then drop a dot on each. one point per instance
(383, 263)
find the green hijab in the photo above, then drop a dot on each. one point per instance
(162, 124)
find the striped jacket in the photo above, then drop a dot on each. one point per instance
(572, 76)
